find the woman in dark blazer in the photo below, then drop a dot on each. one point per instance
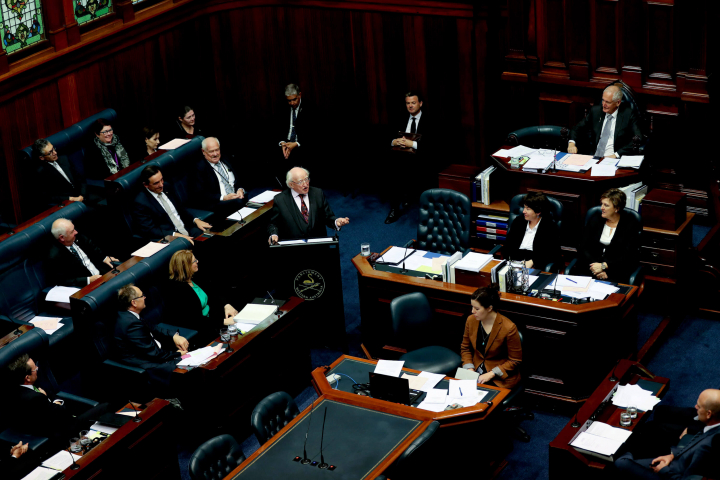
(610, 245)
(491, 343)
(532, 238)
(187, 305)
(186, 125)
(105, 155)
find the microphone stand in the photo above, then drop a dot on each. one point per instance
(323, 465)
(74, 465)
(407, 245)
(136, 418)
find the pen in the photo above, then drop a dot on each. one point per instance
(571, 280)
(460, 391)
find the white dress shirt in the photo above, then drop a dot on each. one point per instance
(607, 235)
(297, 114)
(417, 123)
(151, 335)
(173, 211)
(230, 176)
(296, 197)
(85, 261)
(610, 147)
(61, 171)
(529, 238)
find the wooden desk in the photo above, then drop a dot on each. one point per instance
(665, 253)
(568, 462)
(136, 450)
(15, 334)
(567, 348)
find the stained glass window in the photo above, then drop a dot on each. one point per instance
(89, 10)
(21, 24)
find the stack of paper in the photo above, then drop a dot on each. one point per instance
(60, 294)
(391, 368)
(149, 250)
(173, 144)
(631, 161)
(49, 324)
(395, 255)
(601, 438)
(519, 150)
(473, 262)
(254, 313)
(264, 197)
(41, 473)
(241, 214)
(99, 427)
(200, 356)
(603, 171)
(61, 460)
(627, 395)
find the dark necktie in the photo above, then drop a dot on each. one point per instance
(293, 136)
(304, 209)
(77, 255)
(413, 128)
(604, 137)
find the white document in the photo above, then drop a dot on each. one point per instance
(606, 431)
(396, 254)
(633, 161)
(264, 197)
(320, 240)
(635, 395)
(432, 407)
(593, 443)
(149, 250)
(468, 400)
(245, 327)
(254, 313)
(40, 473)
(520, 150)
(609, 161)
(415, 382)
(416, 261)
(173, 144)
(602, 171)
(437, 395)
(502, 153)
(391, 368)
(49, 324)
(61, 460)
(61, 294)
(473, 262)
(242, 213)
(538, 163)
(200, 356)
(574, 281)
(461, 388)
(291, 242)
(433, 379)
(466, 374)
(99, 427)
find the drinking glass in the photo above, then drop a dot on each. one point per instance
(233, 330)
(225, 336)
(625, 419)
(75, 445)
(632, 410)
(84, 440)
(365, 249)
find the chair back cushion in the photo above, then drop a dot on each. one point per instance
(216, 458)
(412, 320)
(444, 223)
(32, 342)
(541, 136)
(272, 414)
(554, 209)
(418, 442)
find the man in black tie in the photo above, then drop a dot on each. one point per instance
(692, 443)
(158, 213)
(57, 178)
(608, 129)
(216, 187)
(294, 128)
(302, 211)
(74, 260)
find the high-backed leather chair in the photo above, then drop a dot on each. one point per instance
(216, 458)
(540, 136)
(402, 468)
(272, 414)
(518, 414)
(444, 221)
(413, 326)
(631, 99)
(554, 214)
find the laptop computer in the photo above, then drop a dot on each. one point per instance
(393, 389)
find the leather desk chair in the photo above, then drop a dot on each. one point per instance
(272, 414)
(554, 214)
(216, 458)
(541, 136)
(517, 414)
(412, 323)
(402, 468)
(637, 275)
(444, 221)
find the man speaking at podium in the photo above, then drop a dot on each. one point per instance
(302, 211)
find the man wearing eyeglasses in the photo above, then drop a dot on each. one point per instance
(57, 179)
(216, 186)
(608, 129)
(302, 211)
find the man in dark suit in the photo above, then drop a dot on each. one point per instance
(74, 260)
(157, 212)
(295, 133)
(302, 211)
(57, 179)
(610, 127)
(693, 451)
(16, 460)
(138, 344)
(215, 186)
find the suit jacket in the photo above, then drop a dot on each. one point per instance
(621, 254)
(304, 126)
(588, 131)
(62, 268)
(287, 222)
(95, 166)
(503, 350)
(35, 414)
(135, 345)
(205, 187)
(54, 186)
(426, 127)
(546, 245)
(16, 468)
(182, 308)
(150, 219)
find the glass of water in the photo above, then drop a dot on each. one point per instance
(365, 249)
(632, 410)
(75, 446)
(233, 330)
(625, 419)
(84, 440)
(225, 336)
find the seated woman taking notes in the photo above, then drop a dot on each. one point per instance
(491, 343)
(187, 305)
(610, 242)
(532, 237)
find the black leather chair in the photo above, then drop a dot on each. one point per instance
(402, 468)
(638, 271)
(511, 405)
(630, 98)
(554, 214)
(272, 414)
(444, 221)
(412, 323)
(541, 136)
(216, 458)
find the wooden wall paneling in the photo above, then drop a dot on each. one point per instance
(69, 101)
(632, 53)
(520, 29)
(660, 70)
(577, 39)
(692, 35)
(554, 110)
(551, 24)
(605, 42)
(467, 87)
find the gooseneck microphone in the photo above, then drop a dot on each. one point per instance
(323, 465)
(74, 465)
(407, 245)
(306, 460)
(136, 418)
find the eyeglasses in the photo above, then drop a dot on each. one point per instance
(302, 182)
(106, 132)
(37, 367)
(50, 152)
(141, 296)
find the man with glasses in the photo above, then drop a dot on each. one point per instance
(57, 178)
(216, 186)
(609, 128)
(302, 211)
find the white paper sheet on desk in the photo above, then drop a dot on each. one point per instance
(520, 150)
(606, 431)
(197, 357)
(414, 381)
(416, 261)
(264, 197)
(396, 254)
(242, 213)
(593, 443)
(437, 395)
(633, 161)
(149, 250)
(245, 327)
(49, 324)
(320, 240)
(432, 407)
(574, 281)
(60, 461)
(502, 153)
(433, 379)
(61, 294)
(635, 395)
(291, 242)
(468, 400)
(602, 171)
(173, 144)
(609, 161)
(99, 427)
(473, 262)
(391, 368)
(538, 163)
(461, 388)
(40, 473)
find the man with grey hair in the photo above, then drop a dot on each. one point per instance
(302, 211)
(74, 260)
(57, 179)
(609, 128)
(216, 186)
(294, 127)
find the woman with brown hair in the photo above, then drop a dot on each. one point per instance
(105, 155)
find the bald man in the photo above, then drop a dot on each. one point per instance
(691, 452)
(608, 129)
(74, 260)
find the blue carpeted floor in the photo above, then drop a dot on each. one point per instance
(683, 358)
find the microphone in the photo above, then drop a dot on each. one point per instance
(135, 419)
(279, 183)
(306, 460)
(242, 220)
(407, 245)
(74, 465)
(555, 285)
(323, 465)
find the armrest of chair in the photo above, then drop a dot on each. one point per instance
(637, 276)
(495, 250)
(184, 332)
(570, 266)
(13, 436)
(201, 214)
(513, 396)
(553, 267)
(123, 367)
(75, 399)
